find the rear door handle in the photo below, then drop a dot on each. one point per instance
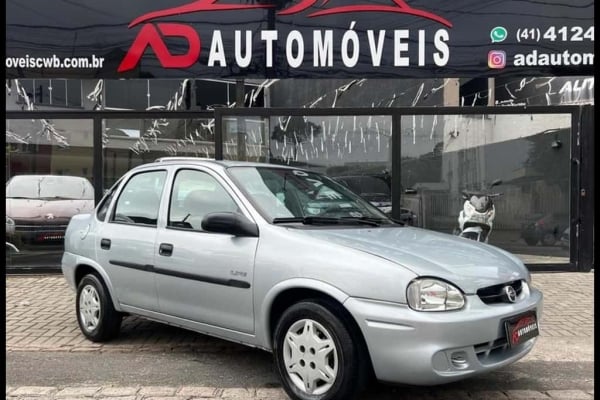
(105, 244)
(165, 249)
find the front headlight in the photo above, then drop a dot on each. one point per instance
(429, 294)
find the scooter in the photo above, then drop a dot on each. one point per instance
(476, 219)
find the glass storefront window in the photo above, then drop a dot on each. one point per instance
(132, 142)
(354, 150)
(444, 156)
(49, 179)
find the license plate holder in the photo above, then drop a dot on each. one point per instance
(521, 328)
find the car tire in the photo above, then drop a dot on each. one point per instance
(548, 239)
(96, 315)
(303, 334)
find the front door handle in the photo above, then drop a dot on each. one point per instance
(105, 244)
(165, 249)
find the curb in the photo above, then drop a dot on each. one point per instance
(201, 392)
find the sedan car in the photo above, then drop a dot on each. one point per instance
(292, 262)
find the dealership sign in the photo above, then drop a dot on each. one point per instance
(302, 38)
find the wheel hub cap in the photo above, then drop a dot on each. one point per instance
(310, 357)
(89, 308)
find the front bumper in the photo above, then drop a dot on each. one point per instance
(424, 348)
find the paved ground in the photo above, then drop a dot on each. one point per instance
(41, 329)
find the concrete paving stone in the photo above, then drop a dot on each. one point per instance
(74, 398)
(119, 398)
(451, 394)
(200, 392)
(526, 395)
(119, 391)
(34, 391)
(238, 393)
(569, 395)
(488, 395)
(171, 398)
(270, 393)
(157, 391)
(78, 391)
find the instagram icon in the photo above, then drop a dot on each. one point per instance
(496, 59)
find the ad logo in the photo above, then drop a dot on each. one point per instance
(496, 59)
(399, 6)
(152, 34)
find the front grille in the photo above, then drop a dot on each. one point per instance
(40, 228)
(495, 294)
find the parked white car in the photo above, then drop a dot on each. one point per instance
(292, 262)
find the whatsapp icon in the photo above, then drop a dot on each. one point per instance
(498, 34)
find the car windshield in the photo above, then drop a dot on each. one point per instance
(49, 187)
(366, 184)
(290, 195)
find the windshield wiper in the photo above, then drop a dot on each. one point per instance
(366, 220)
(310, 220)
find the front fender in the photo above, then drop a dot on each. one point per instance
(263, 333)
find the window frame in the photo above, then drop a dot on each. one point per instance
(107, 200)
(111, 219)
(219, 180)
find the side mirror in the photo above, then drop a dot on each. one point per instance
(230, 223)
(496, 182)
(410, 191)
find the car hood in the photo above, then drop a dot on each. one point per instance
(34, 209)
(463, 262)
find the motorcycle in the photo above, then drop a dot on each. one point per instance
(476, 219)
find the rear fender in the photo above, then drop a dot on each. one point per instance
(82, 262)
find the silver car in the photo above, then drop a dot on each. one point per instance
(292, 262)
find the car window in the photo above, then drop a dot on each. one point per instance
(105, 202)
(284, 193)
(139, 200)
(195, 194)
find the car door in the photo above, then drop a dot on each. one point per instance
(125, 243)
(203, 276)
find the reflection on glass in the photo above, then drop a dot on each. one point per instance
(132, 142)
(245, 139)
(445, 156)
(49, 179)
(289, 195)
(354, 150)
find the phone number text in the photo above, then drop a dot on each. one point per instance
(556, 34)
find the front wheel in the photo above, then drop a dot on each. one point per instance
(96, 315)
(316, 355)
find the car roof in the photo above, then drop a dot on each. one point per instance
(210, 162)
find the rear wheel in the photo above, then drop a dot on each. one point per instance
(96, 315)
(316, 354)
(531, 241)
(549, 239)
